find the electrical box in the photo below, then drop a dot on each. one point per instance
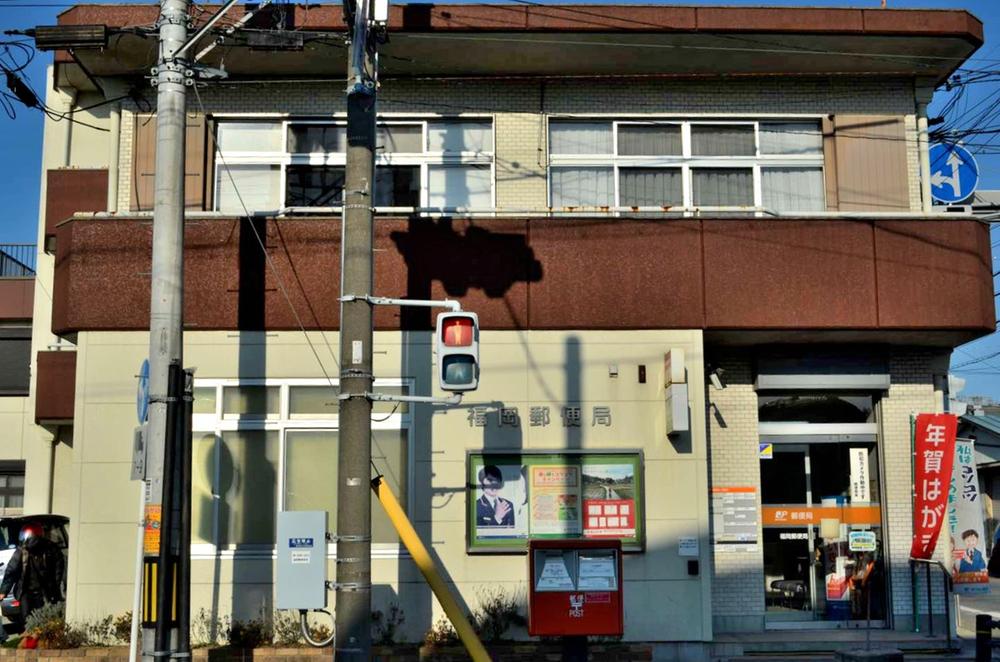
(301, 571)
(575, 588)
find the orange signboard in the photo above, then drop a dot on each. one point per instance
(802, 514)
(151, 533)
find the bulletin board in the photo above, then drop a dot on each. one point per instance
(513, 497)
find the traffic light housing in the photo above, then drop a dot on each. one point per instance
(457, 339)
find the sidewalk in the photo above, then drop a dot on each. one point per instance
(970, 605)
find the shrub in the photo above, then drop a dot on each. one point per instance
(497, 612)
(206, 629)
(441, 634)
(386, 625)
(48, 625)
(122, 627)
(250, 634)
(287, 630)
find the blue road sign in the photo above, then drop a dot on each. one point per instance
(954, 173)
(142, 393)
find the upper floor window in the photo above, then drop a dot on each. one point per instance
(441, 163)
(725, 164)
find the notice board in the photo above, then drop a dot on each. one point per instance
(513, 497)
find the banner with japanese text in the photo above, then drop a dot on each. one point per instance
(965, 521)
(934, 454)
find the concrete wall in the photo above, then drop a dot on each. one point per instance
(518, 370)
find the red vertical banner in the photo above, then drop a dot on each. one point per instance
(934, 454)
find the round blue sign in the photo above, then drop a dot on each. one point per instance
(142, 393)
(954, 173)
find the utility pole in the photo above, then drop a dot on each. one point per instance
(353, 584)
(166, 296)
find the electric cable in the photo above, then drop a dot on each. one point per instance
(270, 262)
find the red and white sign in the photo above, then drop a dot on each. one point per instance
(934, 448)
(608, 518)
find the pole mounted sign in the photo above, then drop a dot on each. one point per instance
(954, 173)
(142, 393)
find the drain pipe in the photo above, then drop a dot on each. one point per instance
(114, 144)
(68, 147)
(923, 94)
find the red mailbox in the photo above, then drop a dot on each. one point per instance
(575, 588)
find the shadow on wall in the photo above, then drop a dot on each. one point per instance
(471, 258)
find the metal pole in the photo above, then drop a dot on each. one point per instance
(166, 294)
(184, 560)
(930, 600)
(353, 586)
(984, 637)
(165, 563)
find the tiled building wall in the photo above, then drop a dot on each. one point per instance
(911, 392)
(737, 577)
(521, 105)
(738, 580)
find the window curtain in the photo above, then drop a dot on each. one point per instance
(459, 186)
(249, 137)
(722, 187)
(722, 140)
(793, 189)
(257, 185)
(460, 136)
(791, 138)
(650, 187)
(580, 137)
(649, 140)
(582, 187)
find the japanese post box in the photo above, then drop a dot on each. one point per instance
(575, 588)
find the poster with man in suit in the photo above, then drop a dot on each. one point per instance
(500, 499)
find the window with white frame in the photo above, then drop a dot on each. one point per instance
(727, 164)
(267, 165)
(260, 447)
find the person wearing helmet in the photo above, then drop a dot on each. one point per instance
(35, 570)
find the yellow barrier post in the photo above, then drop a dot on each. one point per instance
(422, 558)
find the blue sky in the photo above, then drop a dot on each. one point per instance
(20, 143)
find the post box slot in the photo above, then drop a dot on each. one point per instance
(555, 570)
(597, 570)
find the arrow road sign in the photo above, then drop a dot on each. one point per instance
(142, 393)
(954, 173)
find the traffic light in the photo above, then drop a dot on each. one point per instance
(458, 351)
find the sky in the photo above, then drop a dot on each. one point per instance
(21, 137)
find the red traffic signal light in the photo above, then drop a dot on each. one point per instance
(457, 340)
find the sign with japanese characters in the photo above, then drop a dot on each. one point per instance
(577, 494)
(541, 416)
(934, 453)
(965, 522)
(734, 519)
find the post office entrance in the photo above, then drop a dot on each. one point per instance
(822, 527)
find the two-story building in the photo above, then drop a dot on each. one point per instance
(744, 190)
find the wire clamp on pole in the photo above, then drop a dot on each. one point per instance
(352, 586)
(349, 559)
(350, 538)
(359, 206)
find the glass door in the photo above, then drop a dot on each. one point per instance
(822, 533)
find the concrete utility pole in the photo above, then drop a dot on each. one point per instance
(353, 586)
(167, 296)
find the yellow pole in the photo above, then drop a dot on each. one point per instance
(422, 558)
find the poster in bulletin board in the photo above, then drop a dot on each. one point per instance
(513, 497)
